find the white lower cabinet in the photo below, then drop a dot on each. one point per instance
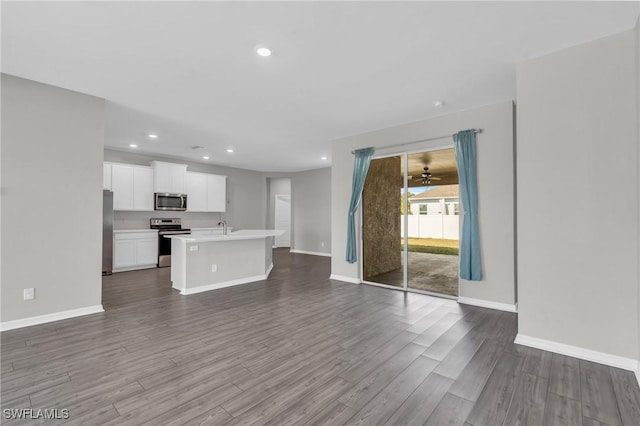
(147, 251)
(134, 250)
(124, 253)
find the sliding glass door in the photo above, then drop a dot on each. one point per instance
(382, 241)
(410, 222)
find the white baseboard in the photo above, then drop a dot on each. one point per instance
(134, 268)
(488, 304)
(57, 316)
(345, 279)
(215, 286)
(223, 284)
(577, 352)
(314, 253)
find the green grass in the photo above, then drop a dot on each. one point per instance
(433, 249)
(433, 245)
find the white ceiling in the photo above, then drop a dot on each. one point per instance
(188, 71)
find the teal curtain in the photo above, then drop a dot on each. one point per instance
(470, 265)
(360, 168)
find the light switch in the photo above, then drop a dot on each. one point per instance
(193, 248)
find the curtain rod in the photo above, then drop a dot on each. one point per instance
(421, 140)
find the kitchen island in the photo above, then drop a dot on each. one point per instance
(207, 262)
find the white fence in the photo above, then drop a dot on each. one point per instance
(433, 226)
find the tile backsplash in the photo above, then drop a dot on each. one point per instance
(140, 220)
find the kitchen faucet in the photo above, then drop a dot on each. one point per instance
(224, 226)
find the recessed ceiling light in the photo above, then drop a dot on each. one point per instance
(323, 158)
(263, 51)
(438, 104)
(205, 157)
(229, 150)
(152, 136)
(133, 145)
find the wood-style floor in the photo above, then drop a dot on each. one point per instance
(300, 349)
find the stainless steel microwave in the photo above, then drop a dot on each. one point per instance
(173, 202)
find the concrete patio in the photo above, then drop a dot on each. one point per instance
(435, 273)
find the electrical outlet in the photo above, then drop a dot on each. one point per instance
(214, 268)
(29, 293)
(322, 244)
(193, 248)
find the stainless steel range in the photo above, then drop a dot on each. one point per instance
(166, 227)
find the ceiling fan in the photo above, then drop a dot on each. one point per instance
(425, 177)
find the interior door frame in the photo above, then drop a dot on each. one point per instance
(405, 246)
(275, 214)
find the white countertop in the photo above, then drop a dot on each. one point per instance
(135, 230)
(210, 228)
(245, 234)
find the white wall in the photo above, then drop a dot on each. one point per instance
(246, 195)
(311, 204)
(495, 190)
(577, 142)
(52, 147)
(637, 39)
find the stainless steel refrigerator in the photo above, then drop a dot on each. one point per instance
(107, 232)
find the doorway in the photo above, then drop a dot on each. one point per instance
(279, 215)
(410, 222)
(283, 220)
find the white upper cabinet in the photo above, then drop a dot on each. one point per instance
(205, 192)
(106, 176)
(122, 186)
(169, 177)
(143, 189)
(216, 193)
(196, 192)
(132, 187)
